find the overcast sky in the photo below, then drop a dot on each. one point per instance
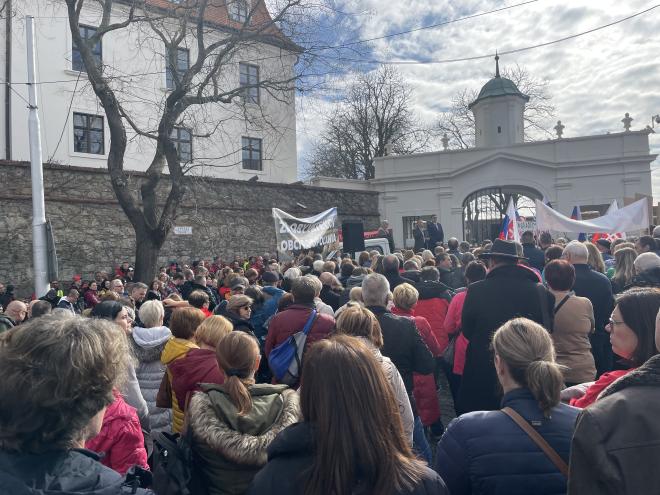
(594, 79)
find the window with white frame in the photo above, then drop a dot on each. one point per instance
(88, 134)
(182, 138)
(238, 10)
(249, 80)
(176, 66)
(86, 32)
(251, 153)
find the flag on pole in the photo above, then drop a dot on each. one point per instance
(509, 230)
(577, 215)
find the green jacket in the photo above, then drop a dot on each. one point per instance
(230, 449)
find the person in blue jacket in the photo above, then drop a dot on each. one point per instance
(486, 452)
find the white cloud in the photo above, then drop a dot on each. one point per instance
(594, 79)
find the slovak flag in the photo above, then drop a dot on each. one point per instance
(577, 215)
(509, 230)
(610, 237)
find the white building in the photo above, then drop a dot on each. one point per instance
(458, 185)
(255, 134)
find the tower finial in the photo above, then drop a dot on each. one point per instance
(497, 64)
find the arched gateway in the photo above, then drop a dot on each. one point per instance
(483, 210)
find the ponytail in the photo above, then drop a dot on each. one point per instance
(237, 354)
(239, 394)
(527, 350)
(545, 380)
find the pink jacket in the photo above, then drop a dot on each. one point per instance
(120, 441)
(453, 325)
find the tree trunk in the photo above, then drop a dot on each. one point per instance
(146, 257)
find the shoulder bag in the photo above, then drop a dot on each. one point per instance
(538, 440)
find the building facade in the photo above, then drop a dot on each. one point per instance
(253, 135)
(468, 189)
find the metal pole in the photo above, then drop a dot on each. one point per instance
(39, 243)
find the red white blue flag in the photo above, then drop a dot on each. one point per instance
(509, 229)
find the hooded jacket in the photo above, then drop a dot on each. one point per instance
(148, 345)
(60, 472)
(196, 367)
(229, 448)
(433, 304)
(120, 441)
(174, 349)
(292, 453)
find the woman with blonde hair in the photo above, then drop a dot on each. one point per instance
(487, 452)
(351, 439)
(358, 321)
(405, 298)
(595, 260)
(624, 269)
(234, 423)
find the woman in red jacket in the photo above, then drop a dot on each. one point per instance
(120, 441)
(426, 395)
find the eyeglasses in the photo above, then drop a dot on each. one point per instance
(247, 308)
(612, 322)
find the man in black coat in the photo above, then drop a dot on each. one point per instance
(401, 340)
(532, 253)
(509, 291)
(597, 288)
(420, 236)
(391, 272)
(436, 234)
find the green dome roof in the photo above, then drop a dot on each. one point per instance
(498, 86)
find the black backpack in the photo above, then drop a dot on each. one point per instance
(173, 466)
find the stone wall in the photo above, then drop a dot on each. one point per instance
(228, 218)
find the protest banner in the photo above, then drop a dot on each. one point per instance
(633, 217)
(294, 235)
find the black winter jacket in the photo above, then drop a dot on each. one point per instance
(73, 472)
(404, 346)
(535, 255)
(598, 289)
(508, 291)
(291, 454)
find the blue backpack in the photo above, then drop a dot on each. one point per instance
(285, 360)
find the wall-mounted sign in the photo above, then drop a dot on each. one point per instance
(179, 230)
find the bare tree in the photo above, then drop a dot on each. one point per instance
(216, 42)
(373, 118)
(458, 121)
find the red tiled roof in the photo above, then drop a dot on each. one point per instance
(217, 13)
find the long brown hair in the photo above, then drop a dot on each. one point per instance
(358, 429)
(237, 354)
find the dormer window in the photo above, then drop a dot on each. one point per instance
(238, 10)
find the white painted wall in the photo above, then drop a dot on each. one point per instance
(499, 121)
(138, 60)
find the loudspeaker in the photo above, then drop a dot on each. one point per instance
(353, 234)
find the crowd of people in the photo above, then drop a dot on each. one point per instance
(550, 350)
